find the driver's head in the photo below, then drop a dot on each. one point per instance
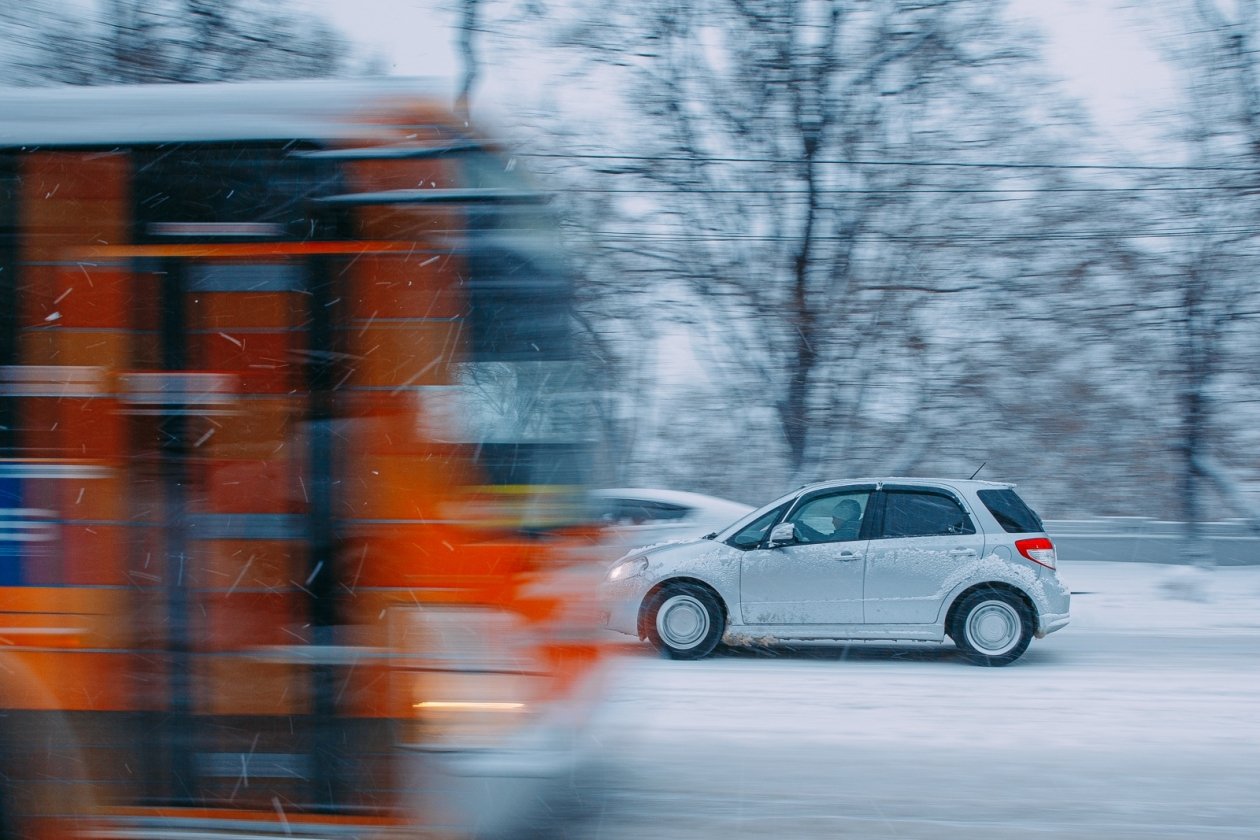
(845, 512)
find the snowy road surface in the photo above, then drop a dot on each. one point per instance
(1139, 720)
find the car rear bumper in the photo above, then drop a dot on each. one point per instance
(1050, 622)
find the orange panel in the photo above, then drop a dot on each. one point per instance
(432, 225)
(61, 617)
(252, 486)
(234, 310)
(49, 176)
(254, 564)
(40, 424)
(103, 498)
(92, 348)
(59, 226)
(418, 555)
(91, 428)
(374, 175)
(231, 686)
(39, 296)
(245, 620)
(381, 487)
(265, 356)
(71, 681)
(256, 428)
(92, 296)
(94, 555)
(403, 355)
(407, 286)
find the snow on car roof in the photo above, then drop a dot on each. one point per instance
(679, 497)
(291, 110)
(904, 479)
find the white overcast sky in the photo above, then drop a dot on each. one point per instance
(1097, 47)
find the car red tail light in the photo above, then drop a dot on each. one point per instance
(1039, 550)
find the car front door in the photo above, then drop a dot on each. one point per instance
(818, 578)
(923, 537)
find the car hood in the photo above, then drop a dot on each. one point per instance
(678, 552)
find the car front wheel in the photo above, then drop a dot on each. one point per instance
(684, 621)
(992, 627)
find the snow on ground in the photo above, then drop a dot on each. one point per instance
(1138, 720)
(1182, 600)
(1067, 691)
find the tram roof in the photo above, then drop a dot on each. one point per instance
(345, 110)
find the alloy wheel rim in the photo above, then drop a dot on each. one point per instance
(682, 621)
(993, 627)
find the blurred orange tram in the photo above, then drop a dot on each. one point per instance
(292, 453)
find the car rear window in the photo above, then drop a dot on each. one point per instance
(1009, 510)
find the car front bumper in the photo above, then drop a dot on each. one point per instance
(620, 601)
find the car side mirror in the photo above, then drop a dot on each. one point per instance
(782, 534)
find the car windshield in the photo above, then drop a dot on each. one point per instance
(746, 520)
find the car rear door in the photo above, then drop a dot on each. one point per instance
(923, 537)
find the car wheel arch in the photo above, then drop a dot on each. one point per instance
(673, 581)
(997, 585)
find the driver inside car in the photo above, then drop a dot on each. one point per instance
(846, 522)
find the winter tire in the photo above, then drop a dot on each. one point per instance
(991, 627)
(684, 621)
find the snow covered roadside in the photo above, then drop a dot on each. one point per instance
(1168, 600)
(1136, 670)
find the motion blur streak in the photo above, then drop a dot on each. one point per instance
(292, 459)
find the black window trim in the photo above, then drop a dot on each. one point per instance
(867, 529)
(783, 510)
(886, 490)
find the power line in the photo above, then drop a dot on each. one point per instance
(894, 190)
(907, 163)
(946, 239)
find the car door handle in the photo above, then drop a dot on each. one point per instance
(963, 552)
(850, 555)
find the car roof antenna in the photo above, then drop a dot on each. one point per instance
(977, 472)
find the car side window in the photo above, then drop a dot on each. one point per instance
(643, 512)
(751, 535)
(836, 517)
(911, 514)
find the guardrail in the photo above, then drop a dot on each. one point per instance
(1136, 539)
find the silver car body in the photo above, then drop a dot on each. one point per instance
(870, 588)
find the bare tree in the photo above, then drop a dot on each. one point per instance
(133, 41)
(782, 190)
(470, 66)
(1208, 289)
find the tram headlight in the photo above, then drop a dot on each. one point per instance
(472, 678)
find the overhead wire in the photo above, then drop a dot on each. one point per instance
(1137, 167)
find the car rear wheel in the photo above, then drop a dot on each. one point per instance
(992, 627)
(685, 621)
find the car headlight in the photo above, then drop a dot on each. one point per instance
(627, 568)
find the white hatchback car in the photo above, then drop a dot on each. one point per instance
(634, 517)
(890, 558)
